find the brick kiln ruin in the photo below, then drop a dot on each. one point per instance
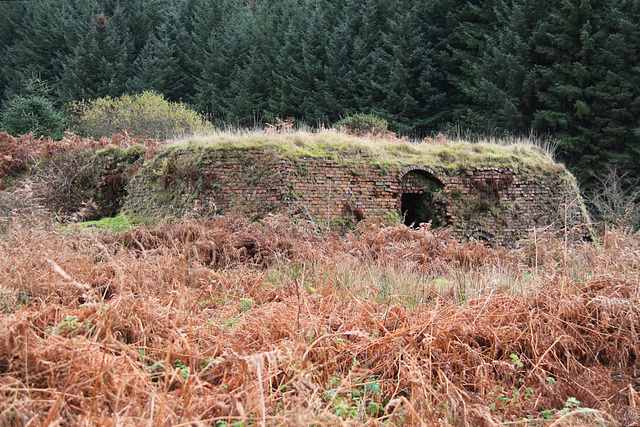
(498, 202)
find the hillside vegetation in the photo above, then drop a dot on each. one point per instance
(86, 179)
(452, 154)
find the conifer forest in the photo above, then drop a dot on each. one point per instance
(564, 69)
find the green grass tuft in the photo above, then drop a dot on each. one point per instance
(116, 224)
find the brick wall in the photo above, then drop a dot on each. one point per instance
(496, 205)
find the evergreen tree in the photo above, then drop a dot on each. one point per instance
(439, 22)
(100, 65)
(144, 17)
(32, 111)
(568, 68)
(469, 24)
(164, 64)
(369, 21)
(298, 72)
(12, 13)
(314, 106)
(217, 50)
(37, 47)
(255, 44)
(410, 100)
(338, 92)
(589, 93)
(500, 81)
(288, 83)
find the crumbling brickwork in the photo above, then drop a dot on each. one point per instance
(496, 205)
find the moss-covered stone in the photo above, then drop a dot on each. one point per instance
(105, 176)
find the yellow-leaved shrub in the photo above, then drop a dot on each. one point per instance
(147, 113)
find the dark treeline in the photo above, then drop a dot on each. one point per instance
(565, 68)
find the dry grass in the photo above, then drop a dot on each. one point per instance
(453, 154)
(18, 154)
(207, 322)
(37, 174)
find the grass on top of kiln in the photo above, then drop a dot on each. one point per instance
(458, 154)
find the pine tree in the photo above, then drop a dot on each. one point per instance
(500, 81)
(589, 91)
(439, 22)
(13, 14)
(101, 63)
(366, 69)
(314, 106)
(143, 17)
(410, 100)
(37, 47)
(337, 88)
(32, 111)
(252, 81)
(164, 64)
(298, 72)
(217, 50)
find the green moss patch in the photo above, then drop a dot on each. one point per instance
(116, 224)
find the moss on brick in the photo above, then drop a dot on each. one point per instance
(105, 176)
(494, 192)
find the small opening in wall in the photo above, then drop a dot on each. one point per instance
(418, 208)
(415, 208)
(422, 199)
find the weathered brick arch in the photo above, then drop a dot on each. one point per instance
(424, 168)
(418, 184)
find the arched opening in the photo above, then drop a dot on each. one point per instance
(421, 200)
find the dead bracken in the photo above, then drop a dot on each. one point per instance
(207, 322)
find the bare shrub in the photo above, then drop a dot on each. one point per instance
(615, 200)
(48, 171)
(363, 125)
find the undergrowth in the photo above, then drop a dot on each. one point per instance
(117, 224)
(60, 179)
(146, 113)
(227, 322)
